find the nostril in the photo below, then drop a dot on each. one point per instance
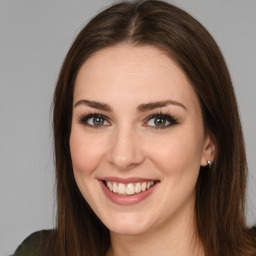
(125, 152)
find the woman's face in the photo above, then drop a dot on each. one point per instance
(137, 139)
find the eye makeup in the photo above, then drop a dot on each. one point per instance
(159, 120)
(94, 120)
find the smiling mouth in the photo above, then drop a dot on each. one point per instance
(129, 189)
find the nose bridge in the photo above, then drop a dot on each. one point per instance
(125, 150)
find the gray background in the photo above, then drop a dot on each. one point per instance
(34, 38)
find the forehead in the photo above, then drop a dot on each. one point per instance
(142, 73)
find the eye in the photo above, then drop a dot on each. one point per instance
(160, 121)
(94, 120)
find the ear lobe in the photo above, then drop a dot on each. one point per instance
(209, 150)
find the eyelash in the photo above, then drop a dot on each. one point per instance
(83, 119)
(167, 117)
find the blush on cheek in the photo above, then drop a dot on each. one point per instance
(84, 158)
(177, 155)
(86, 153)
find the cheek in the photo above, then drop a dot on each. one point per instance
(86, 152)
(178, 153)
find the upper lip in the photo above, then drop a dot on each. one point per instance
(127, 180)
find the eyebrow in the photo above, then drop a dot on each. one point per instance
(141, 108)
(94, 104)
(159, 104)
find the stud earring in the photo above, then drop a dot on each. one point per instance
(209, 163)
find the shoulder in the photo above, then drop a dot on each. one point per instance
(35, 244)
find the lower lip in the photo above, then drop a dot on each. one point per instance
(127, 200)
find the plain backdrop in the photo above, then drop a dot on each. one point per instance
(34, 38)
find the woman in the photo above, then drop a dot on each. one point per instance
(148, 143)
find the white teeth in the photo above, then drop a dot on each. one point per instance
(130, 188)
(137, 188)
(121, 189)
(109, 185)
(114, 187)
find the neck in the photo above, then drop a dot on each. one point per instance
(178, 237)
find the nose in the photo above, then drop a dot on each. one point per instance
(125, 151)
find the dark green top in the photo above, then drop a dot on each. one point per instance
(35, 244)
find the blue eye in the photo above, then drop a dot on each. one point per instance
(94, 120)
(160, 121)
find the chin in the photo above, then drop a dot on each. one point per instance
(128, 224)
(128, 230)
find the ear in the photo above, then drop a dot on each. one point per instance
(209, 150)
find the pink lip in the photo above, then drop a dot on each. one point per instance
(127, 200)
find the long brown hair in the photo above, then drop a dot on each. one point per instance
(220, 196)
